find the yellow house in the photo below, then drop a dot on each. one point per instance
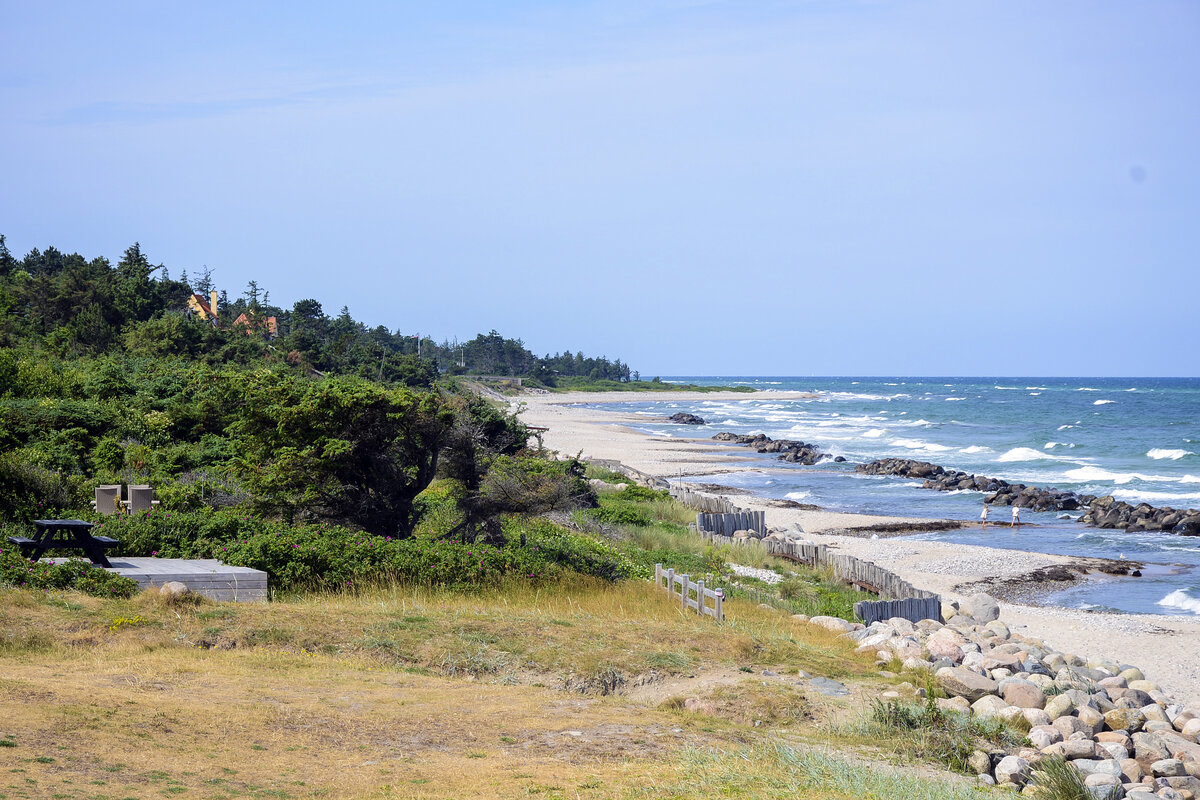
(204, 310)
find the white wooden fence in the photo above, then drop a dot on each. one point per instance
(692, 595)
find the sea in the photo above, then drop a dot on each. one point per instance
(1137, 439)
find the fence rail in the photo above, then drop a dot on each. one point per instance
(692, 595)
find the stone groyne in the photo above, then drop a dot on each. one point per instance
(1101, 512)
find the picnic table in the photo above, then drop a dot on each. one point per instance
(64, 534)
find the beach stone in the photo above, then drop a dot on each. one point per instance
(982, 608)
(962, 682)
(1143, 685)
(1023, 694)
(955, 705)
(1132, 770)
(1069, 725)
(1058, 705)
(1117, 751)
(1072, 749)
(1115, 682)
(1110, 784)
(1012, 770)
(1184, 783)
(1179, 747)
(1042, 736)
(1125, 719)
(1140, 794)
(1148, 748)
(998, 628)
(994, 660)
(940, 647)
(1132, 674)
(174, 589)
(988, 706)
(979, 762)
(1092, 718)
(1117, 737)
(835, 624)
(1191, 728)
(829, 687)
(1158, 727)
(1155, 713)
(1167, 767)
(1035, 716)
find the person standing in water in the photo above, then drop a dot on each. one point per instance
(1016, 516)
(983, 516)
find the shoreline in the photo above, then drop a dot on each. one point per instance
(1166, 646)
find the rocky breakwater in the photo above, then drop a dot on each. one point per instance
(1101, 512)
(683, 418)
(791, 450)
(1121, 731)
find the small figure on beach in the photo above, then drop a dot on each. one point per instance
(1016, 517)
(983, 516)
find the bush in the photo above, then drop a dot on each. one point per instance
(29, 490)
(19, 572)
(319, 556)
(619, 513)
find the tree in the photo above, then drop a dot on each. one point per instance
(340, 448)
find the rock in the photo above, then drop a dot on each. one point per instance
(835, 624)
(956, 705)
(1167, 767)
(1192, 728)
(979, 762)
(1012, 770)
(1035, 716)
(981, 607)
(988, 706)
(1132, 770)
(1022, 693)
(686, 419)
(1042, 736)
(1109, 785)
(962, 682)
(1069, 725)
(1125, 719)
(1092, 718)
(174, 589)
(1148, 748)
(1184, 783)
(698, 706)
(1058, 706)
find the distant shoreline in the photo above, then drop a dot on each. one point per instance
(947, 568)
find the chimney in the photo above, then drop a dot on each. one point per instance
(213, 303)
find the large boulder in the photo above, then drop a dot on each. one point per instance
(981, 607)
(1125, 719)
(962, 682)
(1022, 693)
(1012, 771)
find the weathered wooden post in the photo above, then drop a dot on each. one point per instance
(700, 597)
(686, 588)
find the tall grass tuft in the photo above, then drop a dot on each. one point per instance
(1059, 779)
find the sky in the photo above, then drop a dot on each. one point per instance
(817, 187)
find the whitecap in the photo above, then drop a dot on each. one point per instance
(975, 448)
(1190, 479)
(796, 495)
(1086, 389)
(1158, 498)
(1011, 388)
(1034, 394)
(949, 399)
(1159, 453)
(728, 422)
(1038, 388)
(917, 444)
(1066, 427)
(1182, 600)
(1103, 402)
(874, 433)
(1022, 454)
(1120, 478)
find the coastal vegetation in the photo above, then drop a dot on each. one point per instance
(454, 611)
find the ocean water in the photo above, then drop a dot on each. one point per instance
(1137, 439)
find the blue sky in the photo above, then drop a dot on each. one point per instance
(800, 188)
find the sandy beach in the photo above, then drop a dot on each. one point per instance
(1166, 648)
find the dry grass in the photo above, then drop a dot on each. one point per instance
(392, 693)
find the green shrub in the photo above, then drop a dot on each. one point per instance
(19, 572)
(29, 490)
(619, 513)
(320, 556)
